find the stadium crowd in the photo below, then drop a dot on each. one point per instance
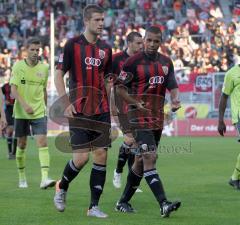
(197, 36)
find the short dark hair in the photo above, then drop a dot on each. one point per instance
(33, 40)
(154, 30)
(132, 35)
(90, 9)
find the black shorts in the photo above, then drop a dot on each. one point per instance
(124, 124)
(90, 131)
(38, 127)
(149, 138)
(9, 115)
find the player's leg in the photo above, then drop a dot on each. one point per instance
(100, 142)
(149, 145)
(39, 130)
(11, 141)
(123, 155)
(80, 144)
(134, 178)
(235, 178)
(97, 181)
(21, 128)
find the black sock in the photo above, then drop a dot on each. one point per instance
(97, 181)
(69, 173)
(133, 181)
(154, 182)
(122, 157)
(14, 146)
(9, 143)
(131, 158)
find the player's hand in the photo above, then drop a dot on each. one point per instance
(3, 123)
(142, 107)
(28, 109)
(70, 110)
(175, 105)
(221, 128)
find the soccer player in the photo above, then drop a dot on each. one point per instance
(88, 60)
(9, 102)
(3, 121)
(28, 87)
(231, 87)
(134, 45)
(147, 75)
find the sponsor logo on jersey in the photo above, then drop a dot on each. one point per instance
(156, 80)
(90, 61)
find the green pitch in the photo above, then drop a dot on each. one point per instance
(193, 170)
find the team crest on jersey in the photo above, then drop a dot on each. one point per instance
(60, 59)
(165, 70)
(123, 75)
(101, 54)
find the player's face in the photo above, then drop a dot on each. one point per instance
(152, 42)
(95, 24)
(33, 52)
(136, 45)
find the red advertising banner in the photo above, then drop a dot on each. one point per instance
(201, 127)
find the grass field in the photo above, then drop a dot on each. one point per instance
(194, 170)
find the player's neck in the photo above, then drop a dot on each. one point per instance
(30, 62)
(90, 38)
(129, 52)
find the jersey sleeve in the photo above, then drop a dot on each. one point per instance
(66, 57)
(46, 76)
(108, 66)
(15, 79)
(227, 84)
(126, 75)
(171, 81)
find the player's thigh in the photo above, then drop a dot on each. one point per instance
(39, 126)
(21, 128)
(128, 138)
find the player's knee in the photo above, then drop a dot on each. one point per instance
(81, 161)
(100, 156)
(22, 144)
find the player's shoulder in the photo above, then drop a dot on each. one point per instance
(44, 65)
(132, 60)
(164, 58)
(118, 55)
(19, 63)
(233, 70)
(103, 44)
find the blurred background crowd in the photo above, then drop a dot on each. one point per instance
(199, 35)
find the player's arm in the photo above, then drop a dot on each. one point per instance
(19, 98)
(172, 86)
(64, 65)
(222, 108)
(227, 89)
(61, 90)
(3, 121)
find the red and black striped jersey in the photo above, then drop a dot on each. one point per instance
(118, 60)
(88, 65)
(6, 90)
(117, 63)
(147, 79)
